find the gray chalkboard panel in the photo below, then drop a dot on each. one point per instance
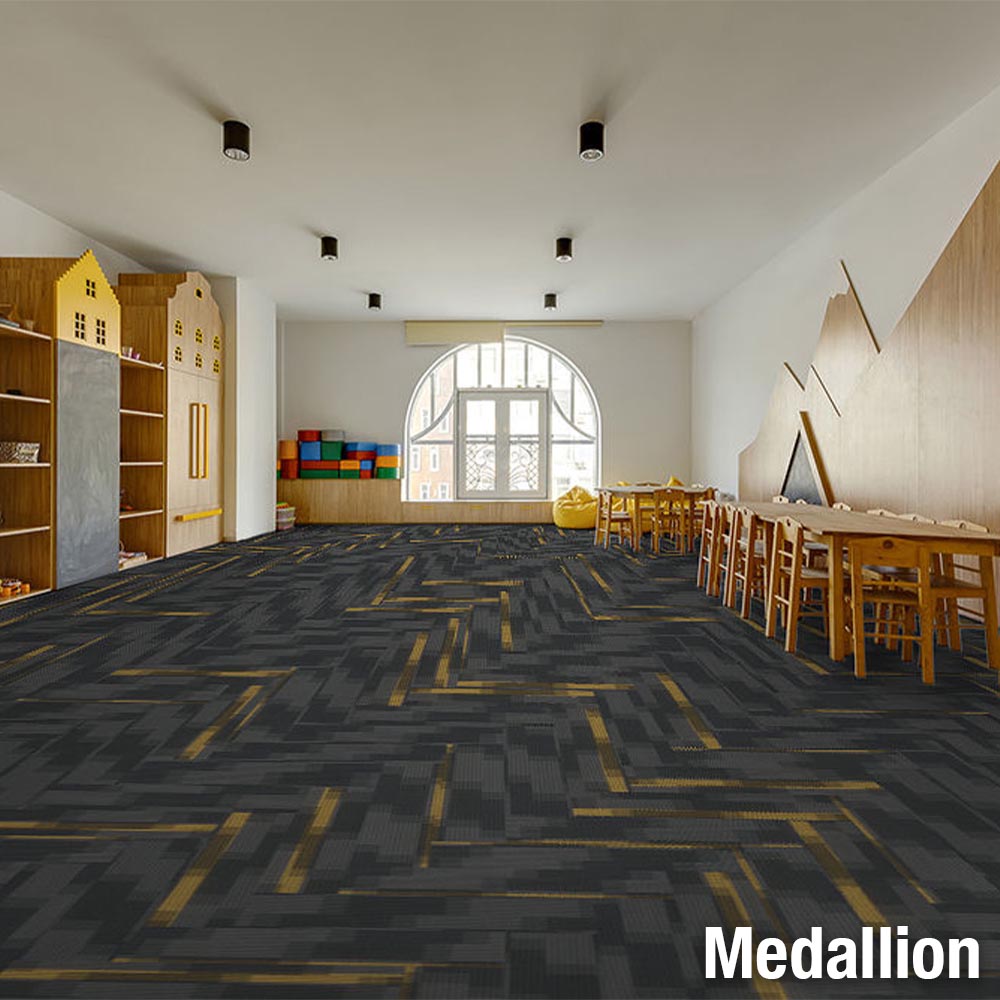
(87, 456)
(800, 483)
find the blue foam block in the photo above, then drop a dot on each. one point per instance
(384, 450)
(367, 465)
(310, 451)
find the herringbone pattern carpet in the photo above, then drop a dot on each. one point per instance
(464, 762)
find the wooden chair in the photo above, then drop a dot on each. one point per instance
(664, 519)
(955, 583)
(907, 593)
(780, 498)
(747, 560)
(709, 525)
(790, 581)
(609, 519)
(880, 512)
(840, 505)
(719, 566)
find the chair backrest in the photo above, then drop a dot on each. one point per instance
(885, 550)
(967, 525)
(840, 505)
(746, 525)
(780, 498)
(787, 546)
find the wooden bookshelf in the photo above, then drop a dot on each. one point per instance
(26, 414)
(143, 458)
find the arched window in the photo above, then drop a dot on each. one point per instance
(503, 421)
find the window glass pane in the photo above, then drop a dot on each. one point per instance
(525, 415)
(562, 382)
(431, 467)
(584, 418)
(444, 386)
(480, 417)
(513, 376)
(467, 364)
(562, 430)
(524, 466)
(538, 367)
(573, 465)
(490, 360)
(480, 467)
(420, 412)
(441, 430)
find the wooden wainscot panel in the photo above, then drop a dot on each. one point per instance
(377, 501)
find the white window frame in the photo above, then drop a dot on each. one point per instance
(517, 371)
(502, 399)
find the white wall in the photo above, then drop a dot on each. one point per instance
(359, 376)
(889, 235)
(27, 232)
(250, 407)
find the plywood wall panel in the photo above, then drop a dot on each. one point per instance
(916, 423)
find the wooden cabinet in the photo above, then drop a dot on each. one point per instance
(194, 456)
(173, 319)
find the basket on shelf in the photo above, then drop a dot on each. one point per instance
(24, 452)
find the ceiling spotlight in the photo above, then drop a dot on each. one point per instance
(328, 247)
(236, 140)
(374, 300)
(564, 248)
(551, 302)
(591, 141)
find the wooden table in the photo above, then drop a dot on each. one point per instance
(688, 495)
(835, 528)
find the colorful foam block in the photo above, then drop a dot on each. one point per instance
(361, 456)
(350, 465)
(350, 473)
(308, 435)
(390, 450)
(331, 436)
(289, 468)
(319, 474)
(387, 462)
(387, 473)
(332, 451)
(366, 473)
(288, 449)
(360, 446)
(319, 465)
(310, 451)
(367, 465)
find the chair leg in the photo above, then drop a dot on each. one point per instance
(858, 624)
(750, 568)
(792, 626)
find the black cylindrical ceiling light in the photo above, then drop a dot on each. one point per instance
(551, 301)
(591, 141)
(374, 300)
(329, 248)
(564, 248)
(236, 140)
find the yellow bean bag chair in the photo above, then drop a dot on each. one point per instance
(576, 509)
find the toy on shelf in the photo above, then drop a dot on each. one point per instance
(13, 587)
(284, 517)
(324, 454)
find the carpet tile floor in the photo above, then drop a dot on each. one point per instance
(470, 761)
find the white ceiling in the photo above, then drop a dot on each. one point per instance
(438, 140)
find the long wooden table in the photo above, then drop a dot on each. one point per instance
(688, 495)
(834, 528)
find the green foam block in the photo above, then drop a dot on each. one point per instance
(387, 473)
(331, 451)
(350, 473)
(319, 474)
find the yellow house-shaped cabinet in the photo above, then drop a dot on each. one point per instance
(173, 320)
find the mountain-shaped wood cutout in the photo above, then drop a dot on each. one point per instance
(910, 427)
